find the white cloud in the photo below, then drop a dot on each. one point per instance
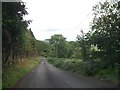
(58, 17)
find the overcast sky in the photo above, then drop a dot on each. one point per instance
(64, 17)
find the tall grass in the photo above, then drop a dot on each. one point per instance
(11, 73)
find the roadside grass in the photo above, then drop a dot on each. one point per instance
(110, 74)
(12, 73)
(88, 69)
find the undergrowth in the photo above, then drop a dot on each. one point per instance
(12, 73)
(85, 68)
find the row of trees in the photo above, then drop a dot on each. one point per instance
(18, 41)
(104, 35)
(101, 45)
(60, 48)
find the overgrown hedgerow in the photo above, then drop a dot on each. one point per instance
(85, 68)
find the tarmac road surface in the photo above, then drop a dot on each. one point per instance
(45, 75)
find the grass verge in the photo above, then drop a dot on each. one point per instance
(12, 73)
(110, 74)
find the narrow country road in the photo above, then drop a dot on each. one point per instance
(48, 76)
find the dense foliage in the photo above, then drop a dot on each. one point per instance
(84, 68)
(18, 41)
(60, 48)
(99, 49)
(106, 32)
(20, 49)
(95, 52)
(102, 43)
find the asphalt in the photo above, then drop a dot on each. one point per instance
(46, 75)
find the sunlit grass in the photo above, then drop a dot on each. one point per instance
(12, 73)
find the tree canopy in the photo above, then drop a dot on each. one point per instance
(18, 41)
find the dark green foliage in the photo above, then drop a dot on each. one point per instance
(95, 52)
(104, 36)
(83, 45)
(18, 41)
(42, 48)
(109, 73)
(11, 22)
(106, 32)
(66, 64)
(74, 65)
(58, 46)
(74, 50)
(99, 49)
(85, 68)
